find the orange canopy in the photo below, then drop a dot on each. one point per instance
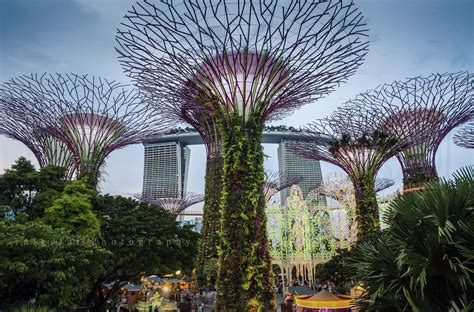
(324, 299)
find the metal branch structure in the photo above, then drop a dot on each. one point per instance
(353, 140)
(17, 125)
(276, 182)
(432, 105)
(175, 206)
(383, 184)
(91, 116)
(465, 136)
(244, 62)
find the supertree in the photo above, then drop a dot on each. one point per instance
(353, 140)
(276, 182)
(17, 125)
(432, 105)
(253, 61)
(91, 116)
(465, 136)
(175, 206)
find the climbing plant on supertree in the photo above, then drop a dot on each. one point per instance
(257, 61)
(91, 116)
(352, 140)
(17, 125)
(433, 105)
(465, 136)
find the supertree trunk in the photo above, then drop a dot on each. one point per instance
(211, 217)
(244, 279)
(367, 209)
(418, 176)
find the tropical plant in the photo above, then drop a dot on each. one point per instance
(49, 265)
(140, 239)
(23, 189)
(424, 261)
(32, 308)
(72, 210)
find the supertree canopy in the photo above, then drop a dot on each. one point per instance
(276, 182)
(465, 136)
(17, 125)
(175, 206)
(91, 116)
(252, 61)
(431, 105)
(353, 141)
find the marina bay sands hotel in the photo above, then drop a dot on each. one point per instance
(167, 163)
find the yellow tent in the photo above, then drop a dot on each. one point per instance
(324, 300)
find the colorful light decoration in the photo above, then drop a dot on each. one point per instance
(299, 236)
(339, 192)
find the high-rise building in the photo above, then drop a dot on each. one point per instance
(167, 164)
(293, 165)
(165, 170)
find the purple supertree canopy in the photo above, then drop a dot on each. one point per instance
(431, 106)
(18, 125)
(276, 182)
(253, 57)
(353, 143)
(175, 206)
(465, 136)
(91, 116)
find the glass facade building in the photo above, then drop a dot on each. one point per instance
(293, 165)
(165, 170)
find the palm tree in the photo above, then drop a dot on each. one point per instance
(424, 261)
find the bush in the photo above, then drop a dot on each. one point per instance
(424, 261)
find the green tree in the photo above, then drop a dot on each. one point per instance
(17, 185)
(425, 259)
(46, 264)
(72, 210)
(25, 189)
(140, 239)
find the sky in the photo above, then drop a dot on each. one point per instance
(407, 38)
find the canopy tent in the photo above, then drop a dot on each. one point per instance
(324, 300)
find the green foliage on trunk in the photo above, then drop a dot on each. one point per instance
(209, 241)
(424, 260)
(244, 279)
(367, 208)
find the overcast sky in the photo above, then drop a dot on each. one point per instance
(407, 38)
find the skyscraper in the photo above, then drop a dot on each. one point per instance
(165, 170)
(291, 164)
